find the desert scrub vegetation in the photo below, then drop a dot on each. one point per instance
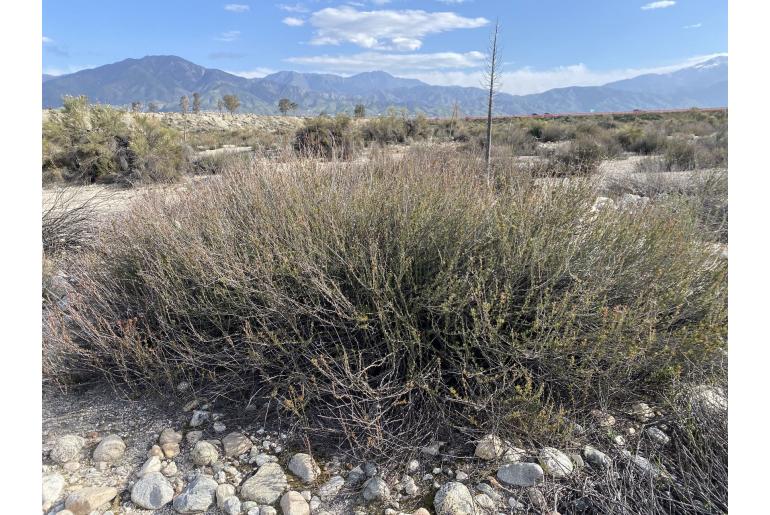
(327, 137)
(86, 144)
(705, 192)
(377, 302)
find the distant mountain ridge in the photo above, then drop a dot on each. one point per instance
(164, 79)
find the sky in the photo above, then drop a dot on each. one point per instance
(544, 43)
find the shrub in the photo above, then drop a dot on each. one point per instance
(636, 140)
(155, 153)
(379, 302)
(680, 155)
(323, 136)
(580, 157)
(90, 143)
(69, 221)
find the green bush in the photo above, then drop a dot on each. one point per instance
(397, 296)
(323, 136)
(91, 143)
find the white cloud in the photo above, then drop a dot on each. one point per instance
(236, 8)
(662, 4)
(47, 40)
(393, 63)
(293, 8)
(527, 80)
(291, 21)
(380, 2)
(693, 26)
(229, 36)
(466, 69)
(56, 70)
(453, 1)
(384, 29)
(253, 74)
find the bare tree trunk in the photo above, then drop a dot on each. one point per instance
(492, 80)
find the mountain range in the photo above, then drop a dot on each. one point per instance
(164, 79)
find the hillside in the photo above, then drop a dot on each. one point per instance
(164, 79)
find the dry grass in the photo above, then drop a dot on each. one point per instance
(376, 302)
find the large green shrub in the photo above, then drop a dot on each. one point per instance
(327, 137)
(86, 143)
(395, 297)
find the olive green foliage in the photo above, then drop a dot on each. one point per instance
(380, 301)
(396, 127)
(91, 143)
(324, 136)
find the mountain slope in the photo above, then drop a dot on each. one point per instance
(164, 79)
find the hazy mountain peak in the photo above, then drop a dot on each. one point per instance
(164, 78)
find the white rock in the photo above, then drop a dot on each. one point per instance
(643, 464)
(708, 398)
(204, 453)
(453, 498)
(520, 474)
(170, 470)
(413, 465)
(596, 458)
(266, 486)
(152, 491)
(259, 458)
(657, 435)
(489, 492)
(513, 454)
(304, 467)
(267, 510)
(375, 489)
(232, 506)
(199, 417)
(53, 486)
(489, 448)
(153, 464)
(219, 427)
(224, 492)
(461, 476)
(409, 486)
(110, 449)
(168, 435)
(555, 463)
(86, 500)
(485, 503)
(619, 440)
(198, 496)
(331, 488)
(292, 503)
(67, 448)
(235, 444)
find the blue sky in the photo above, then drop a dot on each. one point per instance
(545, 43)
